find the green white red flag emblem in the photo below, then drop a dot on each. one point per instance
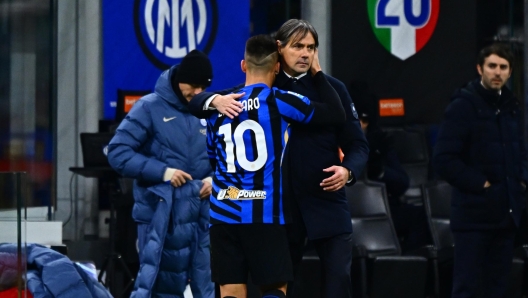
(403, 27)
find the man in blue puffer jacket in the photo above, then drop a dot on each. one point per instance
(162, 147)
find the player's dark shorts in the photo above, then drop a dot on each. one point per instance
(260, 249)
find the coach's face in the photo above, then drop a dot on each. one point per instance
(297, 54)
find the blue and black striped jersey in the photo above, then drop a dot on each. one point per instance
(247, 185)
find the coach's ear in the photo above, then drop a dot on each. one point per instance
(277, 68)
(243, 66)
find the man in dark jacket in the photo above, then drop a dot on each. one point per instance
(481, 152)
(313, 173)
(162, 146)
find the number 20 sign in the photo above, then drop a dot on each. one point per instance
(403, 27)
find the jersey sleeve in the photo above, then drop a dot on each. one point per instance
(293, 107)
(298, 108)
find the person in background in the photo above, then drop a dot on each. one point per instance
(481, 152)
(163, 147)
(384, 166)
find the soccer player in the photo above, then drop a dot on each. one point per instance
(247, 211)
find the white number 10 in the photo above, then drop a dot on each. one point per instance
(238, 142)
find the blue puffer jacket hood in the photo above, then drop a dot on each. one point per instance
(165, 90)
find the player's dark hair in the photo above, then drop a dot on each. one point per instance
(295, 30)
(261, 53)
(498, 49)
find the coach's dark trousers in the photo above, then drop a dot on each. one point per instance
(483, 260)
(335, 254)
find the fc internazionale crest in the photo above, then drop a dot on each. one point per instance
(403, 27)
(167, 30)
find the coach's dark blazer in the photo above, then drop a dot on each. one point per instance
(311, 149)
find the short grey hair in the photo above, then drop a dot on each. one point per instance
(297, 29)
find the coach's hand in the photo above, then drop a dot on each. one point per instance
(315, 67)
(337, 180)
(228, 104)
(205, 192)
(179, 178)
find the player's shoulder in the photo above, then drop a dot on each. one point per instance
(258, 89)
(279, 93)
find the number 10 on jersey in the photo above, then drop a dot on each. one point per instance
(236, 147)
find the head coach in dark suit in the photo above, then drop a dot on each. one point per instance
(314, 174)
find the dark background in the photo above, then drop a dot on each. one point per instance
(427, 79)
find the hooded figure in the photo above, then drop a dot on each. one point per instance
(163, 148)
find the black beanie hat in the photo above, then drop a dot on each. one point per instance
(195, 68)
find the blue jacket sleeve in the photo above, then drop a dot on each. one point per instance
(124, 150)
(351, 138)
(453, 136)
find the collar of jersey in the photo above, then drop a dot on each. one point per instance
(257, 85)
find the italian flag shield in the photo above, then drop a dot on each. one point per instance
(403, 27)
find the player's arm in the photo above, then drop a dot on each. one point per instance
(330, 111)
(205, 104)
(332, 103)
(296, 108)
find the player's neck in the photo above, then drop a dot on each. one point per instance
(267, 79)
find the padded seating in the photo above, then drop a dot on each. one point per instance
(515, 286)
(411, 147)
(522, 253)
(310, 283)
(437, 201)
(382, 270)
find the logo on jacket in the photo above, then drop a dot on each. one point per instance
(354, 111)
(168, 119)
(169, 29)
(403, 27)
(233, 193)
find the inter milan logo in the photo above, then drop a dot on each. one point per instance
(403, 27)
(169, 29)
